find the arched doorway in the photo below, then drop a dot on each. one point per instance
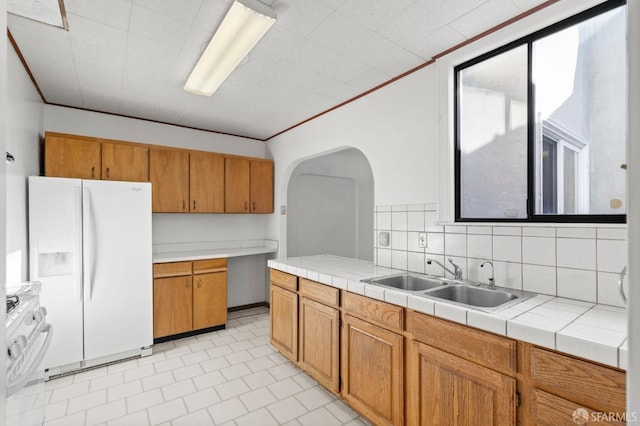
(330, 203)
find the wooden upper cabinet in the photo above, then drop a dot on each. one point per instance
(169, 176)
(261, 186)
(237, 181)
(126, 162)
(73, 157)
(206, 182)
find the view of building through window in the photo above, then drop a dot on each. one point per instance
(551, 142)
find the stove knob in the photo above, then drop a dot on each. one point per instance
(38, 316)
(16, 349)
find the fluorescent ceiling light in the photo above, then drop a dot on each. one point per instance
(244, 25)
(47, 11)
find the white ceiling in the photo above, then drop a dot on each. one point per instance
(131, 57)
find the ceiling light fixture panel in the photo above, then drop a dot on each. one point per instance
(246, 22)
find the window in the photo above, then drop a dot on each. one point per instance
(540, 128)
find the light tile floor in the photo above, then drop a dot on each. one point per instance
(227, 377)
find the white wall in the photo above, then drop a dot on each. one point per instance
(633, 152)
(96, 124)
(25, 131)
(394, 127)
(3, 200)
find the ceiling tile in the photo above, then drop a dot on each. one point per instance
(525, 5)
(484, 17)
(98, 96)
(96, 64)
(96, 33)
(412, 27)
(374, 13)
(133, 56)
(441, 40)
(210, 14)
(353, 40)
(111, 12)
(184, 10)
(144, 49)
(301, 16)
(156, 26)
(450, 10)
(370, 79)
(318, 58)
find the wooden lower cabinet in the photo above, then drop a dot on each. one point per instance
(284, 321)
(445, 389)
(397, 366)
(563, 384)
(372, 371)
(319, 343)
(209, 300)
(172, 306)
(189, 296)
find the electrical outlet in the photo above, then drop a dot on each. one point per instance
(383, 239)
(283, 210)
(422, 240)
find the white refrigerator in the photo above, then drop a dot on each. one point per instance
(90, 247)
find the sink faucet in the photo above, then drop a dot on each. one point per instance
(457, 271)
(492, 282)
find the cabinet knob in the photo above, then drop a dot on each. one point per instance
(254, 206)
(183, 205)
(246, 205)
(199, 283)
(107, 173)
(194, 204)
(93, 172)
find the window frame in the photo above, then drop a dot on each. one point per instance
(532, 216)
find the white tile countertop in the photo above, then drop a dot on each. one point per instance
(163, 253)
(592, 331)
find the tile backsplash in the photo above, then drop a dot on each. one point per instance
(581, 262)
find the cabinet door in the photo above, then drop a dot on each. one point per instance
(319, 343)
(209, 300)
(206, 183)
(169, 176)
(261, 186)
(372, 372)
(172, 306)
(72, 158)
(236, 194)
(284, 322)
(125, 162)
(445, 389)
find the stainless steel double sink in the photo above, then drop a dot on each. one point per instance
(457, 292)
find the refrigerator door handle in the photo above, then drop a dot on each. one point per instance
(87, 246)
(78, 252)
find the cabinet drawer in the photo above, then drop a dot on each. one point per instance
(382, 313)
(548, 409)
(320, 292)
(209, 265)
(173, 269)
(284, 280)
(594, 386)
(478, 346)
